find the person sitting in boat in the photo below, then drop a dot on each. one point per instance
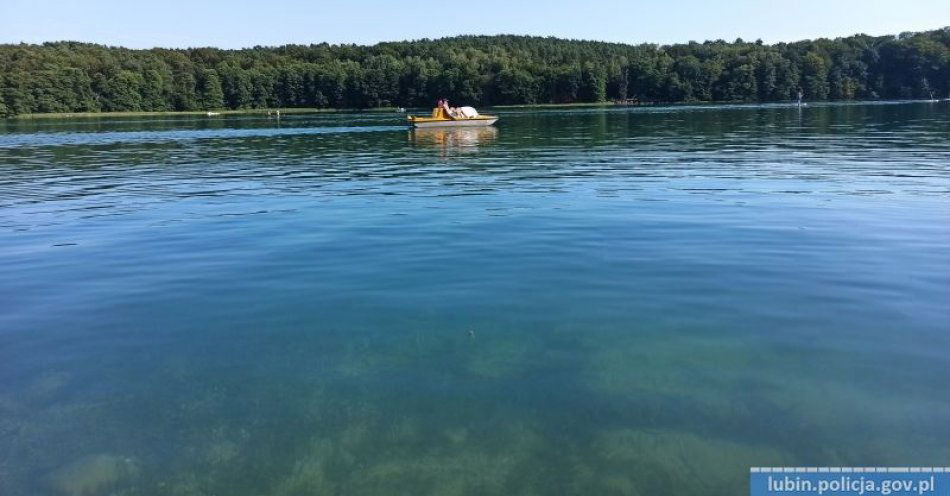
(449, 111)
(443, 109)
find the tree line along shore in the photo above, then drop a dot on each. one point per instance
(72, 77)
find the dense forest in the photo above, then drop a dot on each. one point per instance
(471, 70)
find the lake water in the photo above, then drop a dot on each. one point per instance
(620, 301)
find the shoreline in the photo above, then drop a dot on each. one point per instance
(283, 111)
(194, 113)
(315, 110)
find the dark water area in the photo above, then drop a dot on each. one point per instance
(588, 301)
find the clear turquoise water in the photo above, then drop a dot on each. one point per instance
(621, 301)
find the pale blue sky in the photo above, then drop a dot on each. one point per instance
(242, 23)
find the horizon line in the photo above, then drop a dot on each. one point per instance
(427, 39)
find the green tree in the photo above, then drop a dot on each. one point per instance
(185, 91)
(16, 94)
(786, 80)
(815, 76)
(742, 83)
(618, 79)
(766, 77)
(516, 86)
(156, 89)
(121, 91)
(210, 94)
(237, 87)
(689, 83)
(475, 70)
(593, 83)
(677, 89)
(262, 88)
(567, 85)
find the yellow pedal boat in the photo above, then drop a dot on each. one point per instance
(441, 118)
